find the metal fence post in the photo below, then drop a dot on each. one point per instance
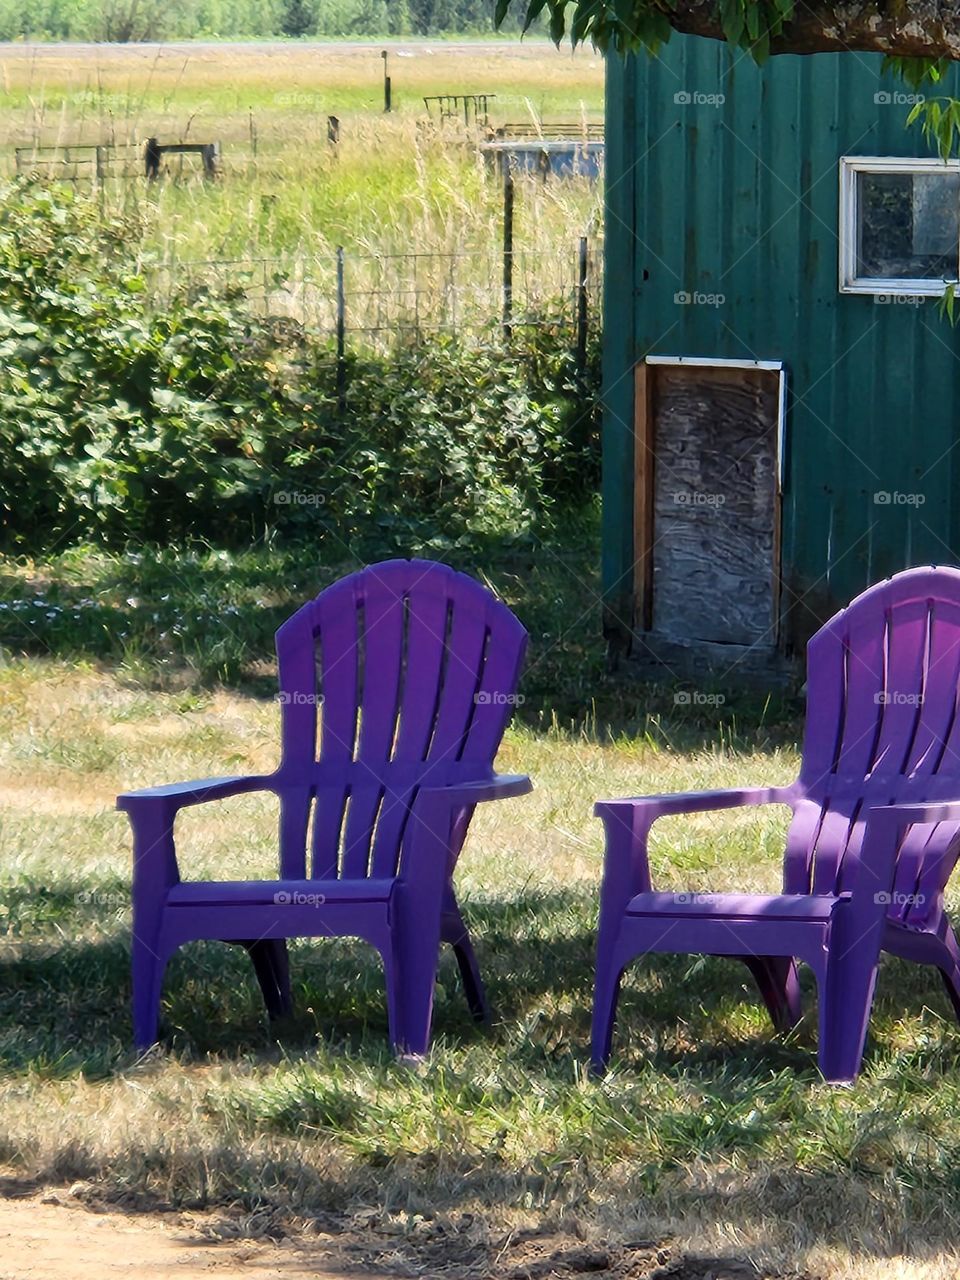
(582, 305)
(507, 247)
(341, 335)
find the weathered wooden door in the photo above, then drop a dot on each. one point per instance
(708, 502)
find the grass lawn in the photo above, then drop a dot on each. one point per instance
(710, 1130)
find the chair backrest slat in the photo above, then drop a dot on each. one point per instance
(883, 693)
(294, 819)
(941, 693)
(411, 670)
(383, 612)
(901, 698)
(463, 670)
(328, 824)
(427, 617)
(339, 639)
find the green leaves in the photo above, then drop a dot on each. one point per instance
(119, 420)
(628, 26)
(948, 303)
(940, 121)
(916, 71)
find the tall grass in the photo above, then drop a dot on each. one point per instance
(395, 185)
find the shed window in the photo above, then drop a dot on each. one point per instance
(899, 225)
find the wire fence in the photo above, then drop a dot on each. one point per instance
(383, 298)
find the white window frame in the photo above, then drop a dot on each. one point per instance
(850, 168)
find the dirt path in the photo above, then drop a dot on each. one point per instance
(51, 1236)
(53, 1241)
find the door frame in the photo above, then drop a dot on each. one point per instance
(644, 466)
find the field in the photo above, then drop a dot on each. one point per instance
(395, 185)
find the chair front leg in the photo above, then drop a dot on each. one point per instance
(853, 949)
(411, 970)
(154, 872)
(846, 997)
(624, 874)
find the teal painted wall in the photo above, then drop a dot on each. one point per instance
(742, 200)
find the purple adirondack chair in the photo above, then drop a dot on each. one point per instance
(414, 667)
(873, 839)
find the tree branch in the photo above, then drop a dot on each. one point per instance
(918, 29)
(924, 29)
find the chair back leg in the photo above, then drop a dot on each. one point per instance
(950, 969)
(455, 932)
(776, 977)
(272, 966)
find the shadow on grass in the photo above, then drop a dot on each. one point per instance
(64, 1006)
(205, 617)
(321, 1119)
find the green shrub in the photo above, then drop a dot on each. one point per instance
(204, 420)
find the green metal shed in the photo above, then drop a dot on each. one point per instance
(781, 389)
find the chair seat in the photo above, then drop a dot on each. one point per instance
(757, 906)
(209, 893)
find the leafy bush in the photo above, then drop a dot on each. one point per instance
(204, 420)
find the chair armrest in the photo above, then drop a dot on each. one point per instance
(653, 807)
(178, 795)
(627, 825)
(500, 787)
(439, 821)
(885, 824)
(152, 812)
(926, 811)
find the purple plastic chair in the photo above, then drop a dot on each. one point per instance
(873, 840)
(414, 668)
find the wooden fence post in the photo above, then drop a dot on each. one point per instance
(387, 88)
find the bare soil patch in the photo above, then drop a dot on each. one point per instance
(54, 1235)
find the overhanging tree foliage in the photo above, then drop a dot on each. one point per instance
(908, 30)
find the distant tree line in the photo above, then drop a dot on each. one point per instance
(125, 20)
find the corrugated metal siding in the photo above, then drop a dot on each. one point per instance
(742, 200)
